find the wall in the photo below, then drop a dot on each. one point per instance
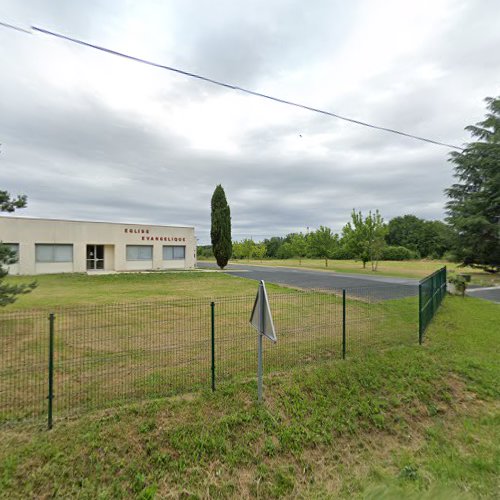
(114, 237)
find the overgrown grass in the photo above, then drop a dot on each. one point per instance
(408, 422)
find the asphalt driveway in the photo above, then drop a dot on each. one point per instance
(490, 293)
(376, 287)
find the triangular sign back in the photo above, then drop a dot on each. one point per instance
(258, 316)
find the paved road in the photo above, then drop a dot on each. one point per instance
(378, 287)
(489, 293)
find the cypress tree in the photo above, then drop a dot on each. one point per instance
(220, 231)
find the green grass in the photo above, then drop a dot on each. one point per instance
(405, 269)
(82, 289)
(406, 422)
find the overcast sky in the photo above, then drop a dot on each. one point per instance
(90, 136)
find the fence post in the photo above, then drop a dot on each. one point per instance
(212, 321)
(50, 397)
(434, 282)
(420, 325)
(445, 277)
(343, 324)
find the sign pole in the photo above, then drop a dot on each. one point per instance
(259, 370)
(261, 334)
(261, 319)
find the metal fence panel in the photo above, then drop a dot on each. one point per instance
(24, 342)
(112, 354)
(432, 291)
(381, 316)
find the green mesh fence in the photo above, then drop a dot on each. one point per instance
(432, 291)
(111, 354)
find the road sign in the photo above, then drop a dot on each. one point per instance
(261, 318)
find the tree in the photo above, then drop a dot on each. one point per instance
(273, 244)
(431, 238)
(439, 237)
(376, 231)
(285, 251)
(365, 238)
(299, 246)
(259, 251)
(248, 246)
(9, 293)
(238, 252)
(322, 242)
(204, 251)
(474, 206)
(405, 231)
(354, 238)
(220, 232)
(9, 204)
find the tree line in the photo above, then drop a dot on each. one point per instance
(471, 237)
(365, 238)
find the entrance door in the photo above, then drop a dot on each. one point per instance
(95, 257)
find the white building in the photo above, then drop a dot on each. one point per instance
(66, 246)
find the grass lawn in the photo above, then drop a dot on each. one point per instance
(78, 289)
(407, 268)
(412, 422)
(107, 354)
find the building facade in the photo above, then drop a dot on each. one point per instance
(65, 246)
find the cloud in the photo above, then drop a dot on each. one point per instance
(89, 136)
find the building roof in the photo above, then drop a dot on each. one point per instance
(94, 222)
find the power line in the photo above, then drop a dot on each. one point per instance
(233, 87)
(12, 27)
(241, 89)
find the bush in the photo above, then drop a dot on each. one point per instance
(285, 251)
(460, 284)
(341, 253)
(398, 253)
(434, 256)
(451, 257)
(204, 251)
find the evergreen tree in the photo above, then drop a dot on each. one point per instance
(474, 206)
(9, 293)
(220, 232)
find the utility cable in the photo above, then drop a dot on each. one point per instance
(241, 89)
(7, 25)
(232, 86)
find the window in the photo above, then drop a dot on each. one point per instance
(53, 253)
(174, 253)
(14, 248)
(139, 252)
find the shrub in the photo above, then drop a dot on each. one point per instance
(398, 253)
(285, 251)
(341, 253)
(460, 284)
(451, 257)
